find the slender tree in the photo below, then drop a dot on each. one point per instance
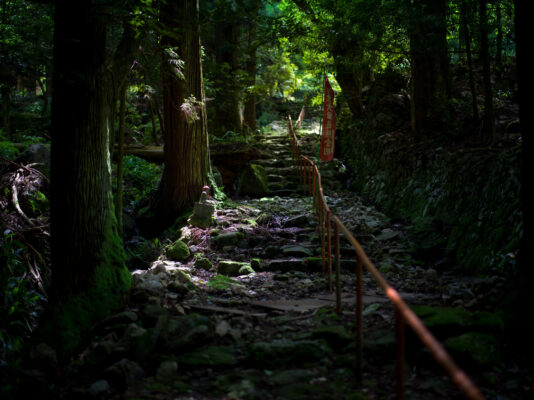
(467, 40)
(89, 277)
(489, 115)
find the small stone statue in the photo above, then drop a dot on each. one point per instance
(203, 211)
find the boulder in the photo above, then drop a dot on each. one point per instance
(474, 348)
(254, 181)
(203, 263)
(234, 268)
(178, 251)
(231, 158)
(227, 239)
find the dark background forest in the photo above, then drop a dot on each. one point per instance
(115, 115)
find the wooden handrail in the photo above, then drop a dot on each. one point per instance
(309, 172)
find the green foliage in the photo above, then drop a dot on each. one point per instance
(7, 150)
(19, 303)
(140, 177)
(463, 204)
(142, 252)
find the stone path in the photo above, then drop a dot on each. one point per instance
(244, 311)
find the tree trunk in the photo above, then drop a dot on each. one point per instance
(120, 156)
(251, 70)
(520, 326)
(185, 136)
(89, 277)
(430, 67)
(467, 39)
(227, 104)
(498, 51)
(347, 56)
(489, 118)
(155, 138)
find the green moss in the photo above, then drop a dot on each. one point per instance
(71, 320)
(178, 251)
(254, 181)
(475, 348)
(212, 356)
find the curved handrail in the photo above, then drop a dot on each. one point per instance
(311, 178)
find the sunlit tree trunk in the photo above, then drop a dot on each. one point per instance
(89, 277)
(185, 135)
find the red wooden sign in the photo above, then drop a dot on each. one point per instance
(329, 123)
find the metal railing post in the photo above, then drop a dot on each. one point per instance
(359, 310)
(338, 262)
(329, 236)
(401, 347)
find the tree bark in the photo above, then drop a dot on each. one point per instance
(251, 70)
(520, 327)
(89, 277)
(347, 75)
(430, 67)
(185, 136)
(227, 103)
(467, 40)
(489, 116)
(120, 156)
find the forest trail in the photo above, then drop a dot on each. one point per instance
(248, 314)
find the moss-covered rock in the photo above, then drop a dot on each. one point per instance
(475, 348)
(254, 181)
(178, 251)
(447, 321)
(213, 356)
(256, 264)
(227, 239)
(234, 268)
(287, 352)
(203, 263)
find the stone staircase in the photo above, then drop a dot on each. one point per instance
(277, 159)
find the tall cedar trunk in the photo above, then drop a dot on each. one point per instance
(430, 67)
(519, 301)
(120, 156)
(489, 118)
(498, 50)
(347, 75)
(251, 70)
(227, 104)
(185, 141)
(467, 40)
(89, 277)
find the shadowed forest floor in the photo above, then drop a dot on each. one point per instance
(247, 313)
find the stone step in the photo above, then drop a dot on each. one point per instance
(274, 162)
(310, 264)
